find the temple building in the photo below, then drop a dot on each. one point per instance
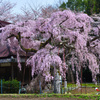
(8, 63)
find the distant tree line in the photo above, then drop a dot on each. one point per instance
(87, 6)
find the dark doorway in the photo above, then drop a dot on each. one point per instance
(86, 75)
(5, 73)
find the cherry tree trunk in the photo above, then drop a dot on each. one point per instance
(34, 86)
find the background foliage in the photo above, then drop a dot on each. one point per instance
(87, 6)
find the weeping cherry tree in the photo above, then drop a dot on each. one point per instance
(65, 31)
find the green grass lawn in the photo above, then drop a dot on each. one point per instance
(82, 96)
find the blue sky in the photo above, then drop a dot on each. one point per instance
(22, 3)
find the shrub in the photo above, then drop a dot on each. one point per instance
(10, 86)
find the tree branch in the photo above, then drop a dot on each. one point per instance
(45, 43)
(88, 42)
(97, 37)
(18, 37)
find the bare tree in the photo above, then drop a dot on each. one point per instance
(6, 10)
(32, 12)
(47, 11)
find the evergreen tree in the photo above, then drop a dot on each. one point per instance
(97, 6)
(77, 5)
(63, 6)
(87, 6)
(71, 4)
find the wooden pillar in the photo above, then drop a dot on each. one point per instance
(29, 74)
(81, 79)
(12, 71)
(12, 67)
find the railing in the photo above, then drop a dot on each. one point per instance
(71, 88)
